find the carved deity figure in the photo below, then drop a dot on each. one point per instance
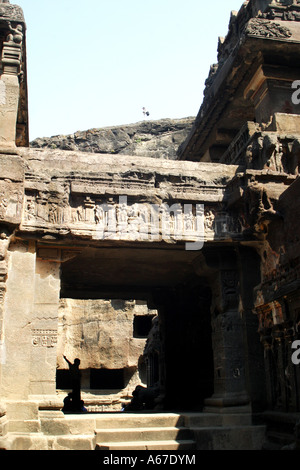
(16, 34)
(99, 215)
(3, 207)
(188, 222)
(210, 220)
(4, 243)
(260, 207)
(30, 210)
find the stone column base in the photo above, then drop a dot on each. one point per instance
(231, 403)
(8, 150)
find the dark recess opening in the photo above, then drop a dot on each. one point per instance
(142, 325)
(100, 379)
(63, 380)
(106, 379)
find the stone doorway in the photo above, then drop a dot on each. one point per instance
(177, 353)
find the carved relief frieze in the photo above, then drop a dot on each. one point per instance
(46, 207)
(11, 200)
(126, 218)
(277, 12)
(267, 29)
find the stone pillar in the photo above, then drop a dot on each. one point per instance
(44, 325)
(17, 320)
(30, 323)
(227, 337)
(10, 88)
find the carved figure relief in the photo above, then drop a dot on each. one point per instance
(3, 206)
(210, 217)
(130, 220)
(267, 29)
(259, 207)
(273, 153)
(16, 34)
(4, 244)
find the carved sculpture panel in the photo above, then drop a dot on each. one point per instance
(120, 219)
(267, 29)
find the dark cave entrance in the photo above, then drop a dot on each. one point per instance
(183, 363)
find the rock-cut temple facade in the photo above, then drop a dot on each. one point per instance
(175, 281)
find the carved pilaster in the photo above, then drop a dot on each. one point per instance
(227, 338)
(11, 61)
(278, 330)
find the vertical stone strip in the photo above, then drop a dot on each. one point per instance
(18, 308)
(10, 88)
(44, 325)
(4, 242)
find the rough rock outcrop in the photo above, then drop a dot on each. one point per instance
(157, 139)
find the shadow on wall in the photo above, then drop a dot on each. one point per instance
(73, 402)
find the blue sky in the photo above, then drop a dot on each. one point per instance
(97, 63)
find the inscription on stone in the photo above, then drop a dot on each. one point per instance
(44, 338)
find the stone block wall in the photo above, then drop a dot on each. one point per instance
(103, 335)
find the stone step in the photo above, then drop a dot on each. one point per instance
(230, 437)
(281, 438)
(142, 434)
(148, 445)
(135, 420)
(130, 420)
